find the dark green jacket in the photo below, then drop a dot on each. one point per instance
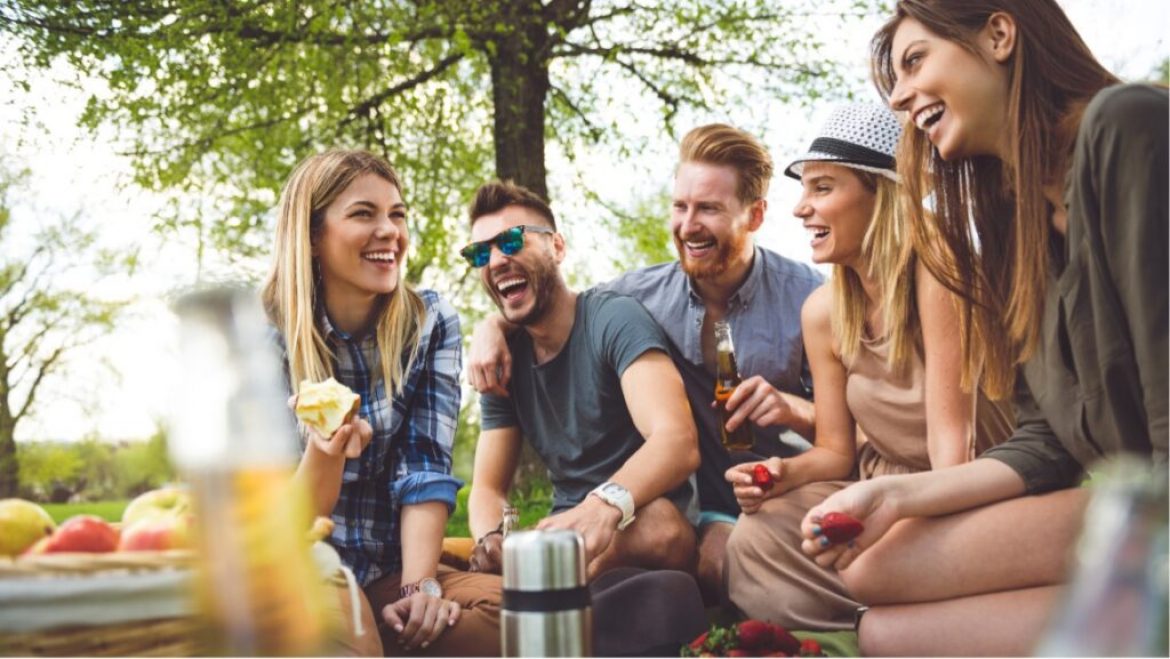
(1097, 384)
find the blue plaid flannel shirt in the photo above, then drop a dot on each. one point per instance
(408, 461)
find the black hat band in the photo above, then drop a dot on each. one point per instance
(854, 153)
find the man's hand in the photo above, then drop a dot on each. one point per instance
(489, 363)
(349, 439)
(748, 494)
(760, 402)
(594, 519)
(419, 619)
(488, 556)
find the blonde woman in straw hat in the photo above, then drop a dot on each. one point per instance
(882, 346)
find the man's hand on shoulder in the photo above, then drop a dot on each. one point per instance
(593, 518)
(489, 362)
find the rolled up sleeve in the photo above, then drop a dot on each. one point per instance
(429, 432)
(1034, 451)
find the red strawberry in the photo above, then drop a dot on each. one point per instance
(810, 648)
(697, 644)
(754, 635)
(839, 527)
(761, 477)
(783, 641)
(738, 653)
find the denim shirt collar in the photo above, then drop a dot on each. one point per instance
(746, 291)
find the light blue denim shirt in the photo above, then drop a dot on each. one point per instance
(765, 326)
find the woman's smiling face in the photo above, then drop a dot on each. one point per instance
(362, 241)
(956, 96)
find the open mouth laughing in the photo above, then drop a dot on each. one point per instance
(511, 287)
(928, 116)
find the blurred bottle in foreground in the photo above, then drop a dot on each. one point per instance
(1116, 604)
(233, 441)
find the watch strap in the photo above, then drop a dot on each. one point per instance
(406, 590)
(624, 504)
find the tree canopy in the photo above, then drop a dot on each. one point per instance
(218, 99)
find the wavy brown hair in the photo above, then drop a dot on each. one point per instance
(989, 238)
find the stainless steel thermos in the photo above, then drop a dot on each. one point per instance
(546, 611)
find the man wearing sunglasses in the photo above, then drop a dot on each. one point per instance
(718, 203)
(593, 391)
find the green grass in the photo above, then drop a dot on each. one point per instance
(108, 510)
(531, 511)
(533, 508)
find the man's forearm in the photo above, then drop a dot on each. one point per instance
(485, 509)
(659, 466)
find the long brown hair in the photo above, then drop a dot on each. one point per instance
(291, 293)
(988, 237)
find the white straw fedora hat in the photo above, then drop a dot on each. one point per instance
(859, 135)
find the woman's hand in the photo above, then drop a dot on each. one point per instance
(419, 619)
(872, 502)
(350, 439)
(748, 495)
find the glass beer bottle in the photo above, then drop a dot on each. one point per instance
(726, 380)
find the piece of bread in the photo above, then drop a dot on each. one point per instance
(325, 406)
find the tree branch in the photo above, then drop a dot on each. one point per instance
(46, 367)
(363, 109)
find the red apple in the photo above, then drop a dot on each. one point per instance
(157, 534)
(163, 502)
(83, 533)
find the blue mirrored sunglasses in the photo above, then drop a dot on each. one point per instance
(509, 241)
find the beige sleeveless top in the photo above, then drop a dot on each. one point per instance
(890, 410)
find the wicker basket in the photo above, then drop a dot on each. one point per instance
(98, 605)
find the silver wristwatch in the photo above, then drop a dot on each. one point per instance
(618, 497)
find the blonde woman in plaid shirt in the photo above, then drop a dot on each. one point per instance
(337, 296)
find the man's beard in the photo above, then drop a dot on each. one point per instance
(542, 280)
(709, 268)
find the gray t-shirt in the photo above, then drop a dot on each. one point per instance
(571, 409)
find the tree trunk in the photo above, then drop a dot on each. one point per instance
(9, 469)
(520, 86)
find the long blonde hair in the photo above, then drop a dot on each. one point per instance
(889, 255)
(989, 240)
(290, 294)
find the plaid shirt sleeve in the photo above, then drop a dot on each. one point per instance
(424, 473)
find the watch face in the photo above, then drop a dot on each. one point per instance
(614, 490)
(431, 587)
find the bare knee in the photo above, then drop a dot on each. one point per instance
(661, 538)
(713, 548)
(875, 636)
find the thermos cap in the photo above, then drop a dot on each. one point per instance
(544, 560)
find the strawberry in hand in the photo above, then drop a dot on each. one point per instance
(839, 527)
(762, 478)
